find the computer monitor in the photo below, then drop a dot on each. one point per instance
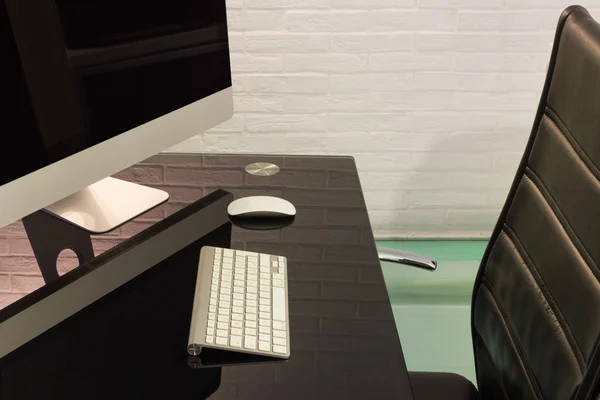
(92, 87)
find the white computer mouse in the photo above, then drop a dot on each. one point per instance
(253, 207)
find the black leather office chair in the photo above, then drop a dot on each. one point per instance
(536, 300)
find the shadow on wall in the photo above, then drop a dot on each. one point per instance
(447, 185)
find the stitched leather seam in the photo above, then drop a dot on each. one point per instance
(588, 261)
(525, 256)
(558, 213)
(550, 302)
(587, 161)
(534, 385)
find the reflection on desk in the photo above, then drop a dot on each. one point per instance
(344, 340)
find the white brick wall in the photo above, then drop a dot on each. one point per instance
(434, 98)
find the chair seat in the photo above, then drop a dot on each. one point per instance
(442, 386)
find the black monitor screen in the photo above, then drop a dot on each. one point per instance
(77, 73)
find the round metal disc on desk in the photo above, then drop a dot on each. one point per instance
(262, 169)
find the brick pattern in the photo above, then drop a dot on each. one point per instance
(434, 98)
(338, 303)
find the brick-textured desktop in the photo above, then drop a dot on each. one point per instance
(434, 98)
(344, 328)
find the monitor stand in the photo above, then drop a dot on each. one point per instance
(70, 222)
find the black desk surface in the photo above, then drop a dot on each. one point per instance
(343, 336)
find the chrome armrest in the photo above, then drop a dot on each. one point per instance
(406, 258)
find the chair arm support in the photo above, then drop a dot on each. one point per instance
(406, 258)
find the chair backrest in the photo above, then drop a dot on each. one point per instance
(536, 301)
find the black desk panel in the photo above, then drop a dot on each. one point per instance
(132, 343)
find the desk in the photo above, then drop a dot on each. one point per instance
(343, 336)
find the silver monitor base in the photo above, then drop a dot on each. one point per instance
(107, 204)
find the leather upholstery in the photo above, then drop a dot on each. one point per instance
(536, 301)
(441, 386)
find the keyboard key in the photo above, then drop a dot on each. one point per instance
(265, 270)
(223, 318)
(228, 253)
(238, 289)
(252, 270)
(251, 310)
(265, 295)
(238, 303)
(279, 305)
(213, 302)
(226, 291)
(251, 303)
(264, 260)
(280, 326)
(264, 315)
(279, 334)
(236, 324)
(221, 341)
(264, 346)
(250, 331)
(253, 284)
(214, 288)
(218, 251)
(281, 270)
(239, 310)
(264, 338)
(236, 331)
(212, 316)
(250, 317)
(238, 296)
(227, 272)
(224, 304)
(265, 275)
(278, 276)
(213, 295)
(252, 289)
(274, 264)
(265, 330)
(224, 311)
(210, 331)
(212, 308)
(278, 283)
(279, 349)
(251, 324)
(265, 302)
(265, 308)
(250, 342)
(211, 324)
(239, 283)
(235, 341)
(279, 341)
(226, 278)
(237, 317)
(222, 325)
(264, 322)
(264, 282)
(251, 296)
(224, 297)
(222, 333)
(210, 339)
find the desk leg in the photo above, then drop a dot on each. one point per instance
(49, 236)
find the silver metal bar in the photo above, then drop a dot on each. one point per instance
(406, 258)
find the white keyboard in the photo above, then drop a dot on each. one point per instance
(240, 303)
